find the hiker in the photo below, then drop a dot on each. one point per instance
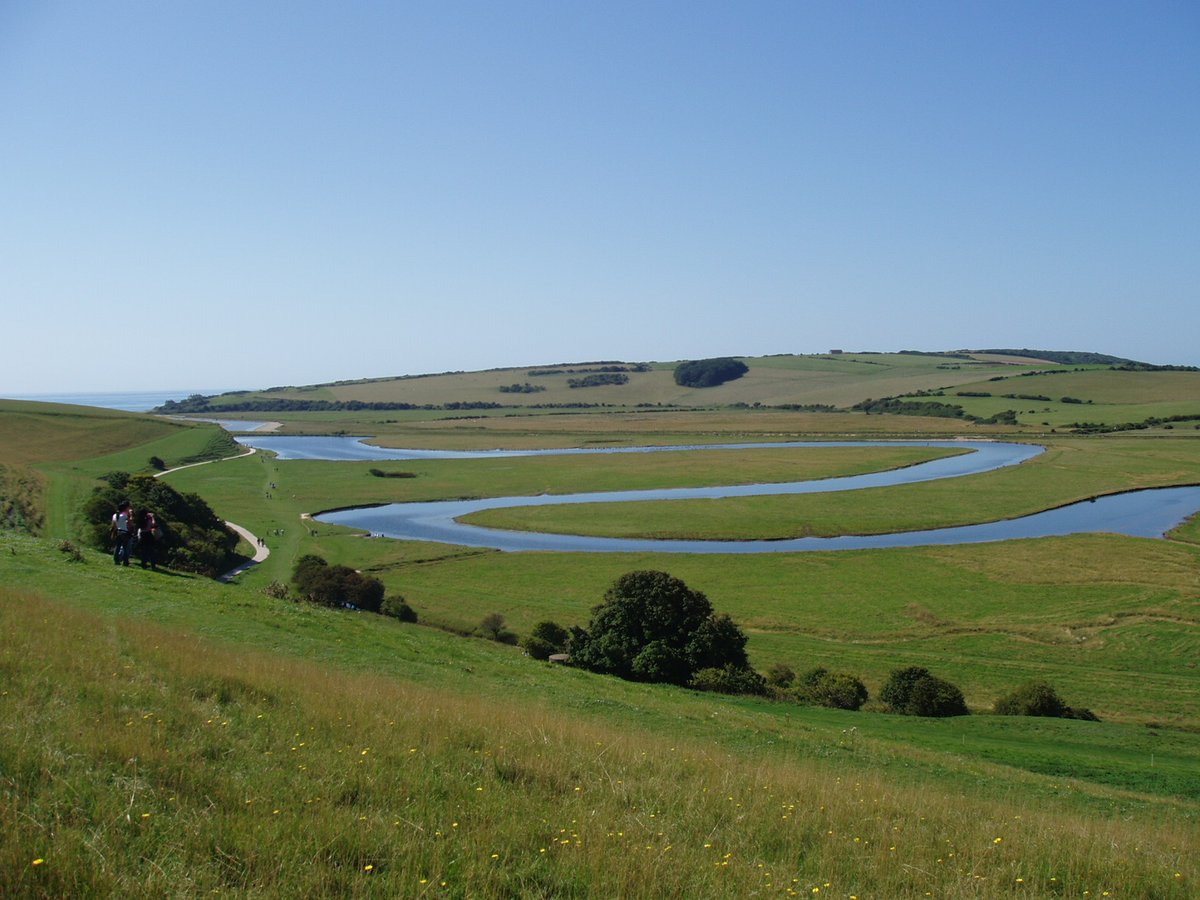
(121, 532)
(147, 543)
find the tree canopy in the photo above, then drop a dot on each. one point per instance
(195, 538)
(701, 373)
(913, 691)
(336, 586)
(653, 627)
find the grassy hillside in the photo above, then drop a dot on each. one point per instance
(1056, 392)
(212, 739)
(161, 733)
(51, 455)
(835, 379)
(1064, 399)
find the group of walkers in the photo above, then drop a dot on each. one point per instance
(129, 531)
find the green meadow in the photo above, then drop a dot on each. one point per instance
(165, 734)
(211, 739)
(839, 380)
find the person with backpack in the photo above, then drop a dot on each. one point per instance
(147, 540)
(122, 532)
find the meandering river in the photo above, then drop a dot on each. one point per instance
(1145, 513)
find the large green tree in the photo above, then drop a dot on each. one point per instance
(194, 538)
(653, 627)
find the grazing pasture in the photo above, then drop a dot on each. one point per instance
(215, 738)
(162, 733)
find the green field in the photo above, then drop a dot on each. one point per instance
(212, 739)
(160, 733)
(1102, 396)
(838, 380)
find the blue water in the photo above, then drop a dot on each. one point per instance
(1146, 513)
(127, 401)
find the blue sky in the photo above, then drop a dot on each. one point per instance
(232, 194)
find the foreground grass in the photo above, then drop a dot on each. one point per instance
(254, 746)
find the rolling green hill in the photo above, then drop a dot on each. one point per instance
(1019, 389)
(162, 733)
(841, 380)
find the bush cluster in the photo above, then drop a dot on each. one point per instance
(913, 691)
(1037, 698)
(653, 627)
(598, 380)
(194, 538)
(836, 690)
(339, 587)
(546, 639)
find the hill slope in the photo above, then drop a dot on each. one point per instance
(837, 379)
(212, 739)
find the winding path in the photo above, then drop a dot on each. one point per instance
(261, 550)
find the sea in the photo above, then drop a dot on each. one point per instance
(127, 401)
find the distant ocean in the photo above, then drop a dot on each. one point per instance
(128, 401)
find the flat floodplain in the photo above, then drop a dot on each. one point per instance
(1070, 470)
(1083, 611)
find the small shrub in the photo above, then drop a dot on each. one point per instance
(1034, 698)
(913, 691)
(811, 678)
(537, 647)
(492, 628)
(156, 463)
(397, 607)
(780, 676)
(277, 590)
(729, 679)
(836, 690)
(71, 551)
(552, 633)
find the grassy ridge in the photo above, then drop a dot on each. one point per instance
(248, 745)
(54, 453)
(840, 380)
(1101, 396)
(161, 759)
(52, 432)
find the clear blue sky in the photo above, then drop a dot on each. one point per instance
(245, 194)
